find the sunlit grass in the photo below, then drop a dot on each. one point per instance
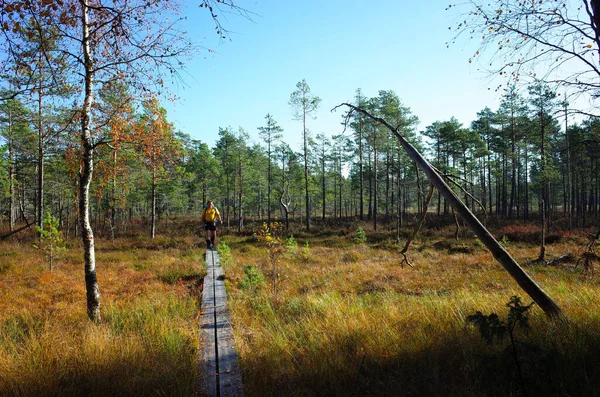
(347, 319)
(353, 321)
(146, 343)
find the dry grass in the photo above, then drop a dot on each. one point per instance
(351, 321)
(146, 343)
(347, 319)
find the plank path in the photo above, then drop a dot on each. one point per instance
(220, 372)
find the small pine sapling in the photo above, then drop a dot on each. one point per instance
(291, 246)
(253, 279)
(305, 254)
(360, 238)
(270, 236)
(51, 241)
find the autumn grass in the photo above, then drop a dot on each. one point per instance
(351, 320)
(146, 343)
(347, 319)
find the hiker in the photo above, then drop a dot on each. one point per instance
(209, 216)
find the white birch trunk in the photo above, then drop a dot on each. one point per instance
(85, 177)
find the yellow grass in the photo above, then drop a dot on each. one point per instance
(146, 343)
(346, 319)
(353, 321)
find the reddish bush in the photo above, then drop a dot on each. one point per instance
(526, 233)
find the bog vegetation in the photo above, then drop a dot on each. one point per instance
(330, 312)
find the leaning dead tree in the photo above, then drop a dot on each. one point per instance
(518, 274)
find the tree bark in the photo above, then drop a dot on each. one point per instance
(525, 282)
(306, 196)
(153, 203)
(11, 176)
(360, 170)
(40, 165)
(85, 178)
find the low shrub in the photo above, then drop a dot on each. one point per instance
(522, 233)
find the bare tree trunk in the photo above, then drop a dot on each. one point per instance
(323, 186)
(374, 179)
(489, 176)
(362, 178)
(286, 204)
(113, 200)
(40, 165)
(305, 134)
(513, 176)
(268, 190)
(525, 282)
(240, 196)
(85, 178)
(398, 203)
(541, 257)
(341, 187)
(12, 211)
(153, 209)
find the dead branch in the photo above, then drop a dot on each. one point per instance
(565, 258)
(421, 220)
(28, 225)
(457, 225)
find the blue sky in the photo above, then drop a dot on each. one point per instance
(337, 46)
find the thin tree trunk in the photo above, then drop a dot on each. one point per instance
(40, 165)
(240, 195)
(526, 209)
(153, 204)
(268, 188)
(513, 176)
(374, 179)
(387, 185)
(323, 185)
(12, 211)
(489, 176)
(306, 195)
(85, 178)
(360, 168)
(113, 208)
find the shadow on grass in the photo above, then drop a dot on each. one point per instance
(450, 368)
(161, 374)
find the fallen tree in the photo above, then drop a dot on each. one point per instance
(538, 295)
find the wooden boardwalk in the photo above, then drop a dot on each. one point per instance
(220, 371)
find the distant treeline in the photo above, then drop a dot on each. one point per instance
(512, 163)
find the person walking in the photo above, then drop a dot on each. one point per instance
(209, 216)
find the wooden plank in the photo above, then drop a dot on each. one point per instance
(217, 337)
(230, 381)
(207, 355)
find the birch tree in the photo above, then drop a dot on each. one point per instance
(137, 42)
